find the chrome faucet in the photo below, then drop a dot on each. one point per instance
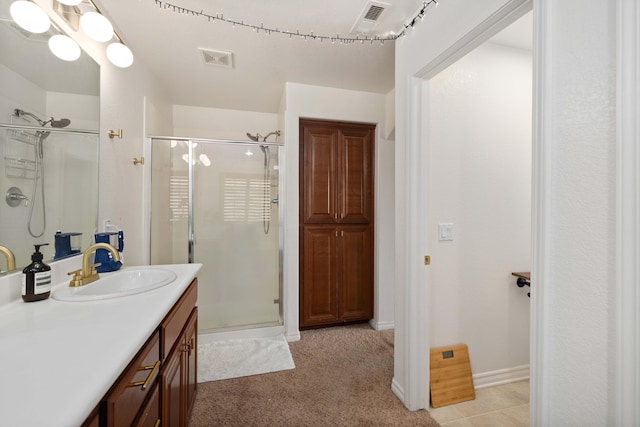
(88, 273)
(11, 259)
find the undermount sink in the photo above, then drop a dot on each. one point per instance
(118, 284)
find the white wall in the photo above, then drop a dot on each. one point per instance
(200, 122)
(304, 101)
(576, 369)
(479, 175)
(575, 211)
(443, 30)
(134, 101)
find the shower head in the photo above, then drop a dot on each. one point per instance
(62, 123)
(255, 138)
(276, 133)
(54, 123)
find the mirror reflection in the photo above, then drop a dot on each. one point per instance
(49, 118)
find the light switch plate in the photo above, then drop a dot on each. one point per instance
(445, 231)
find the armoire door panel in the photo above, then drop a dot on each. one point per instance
(355, 200)
(318, 290)
(319, 180)
(356, 300)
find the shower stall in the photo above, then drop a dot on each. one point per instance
(216, 202)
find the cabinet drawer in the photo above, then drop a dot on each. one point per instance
(174, 322)
(125, 399)
(150, 414)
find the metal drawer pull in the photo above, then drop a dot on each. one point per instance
(145, 383)
(157, 424)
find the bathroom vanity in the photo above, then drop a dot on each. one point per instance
(120, 361)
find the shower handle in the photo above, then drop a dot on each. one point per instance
(14, 197)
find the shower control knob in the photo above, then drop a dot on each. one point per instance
(14, 197)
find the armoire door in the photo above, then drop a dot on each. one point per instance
(319, 293)
(319, 181)
(355, 275)
(355, 177)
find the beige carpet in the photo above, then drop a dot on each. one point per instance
(342, 378)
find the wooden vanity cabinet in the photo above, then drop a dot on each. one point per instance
(158, 387)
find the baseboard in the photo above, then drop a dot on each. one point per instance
(501, 376)
(381, 326)
(397, 389)
(292, 336)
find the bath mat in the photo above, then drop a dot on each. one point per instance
(235, 358)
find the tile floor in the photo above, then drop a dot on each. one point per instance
(505, 405)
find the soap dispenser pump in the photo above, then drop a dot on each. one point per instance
(36, 278)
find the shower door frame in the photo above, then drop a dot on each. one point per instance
(191, 239)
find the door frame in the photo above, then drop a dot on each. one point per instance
(412, 319)
(625, 351)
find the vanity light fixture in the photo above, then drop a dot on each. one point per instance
(96, 26)
(86, 16)
(29, 16)
(64, 47)
(119, 55)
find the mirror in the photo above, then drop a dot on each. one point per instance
(49, 162)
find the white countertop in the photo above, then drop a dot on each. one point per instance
(58, 359)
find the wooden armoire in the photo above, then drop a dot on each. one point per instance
(336, 222)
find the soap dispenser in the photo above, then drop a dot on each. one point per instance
(36, 278)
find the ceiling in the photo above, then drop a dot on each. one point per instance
(168, 42)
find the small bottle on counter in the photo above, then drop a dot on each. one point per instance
(36, 278)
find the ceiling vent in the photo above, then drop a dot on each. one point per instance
(218, 58)
(369, 17)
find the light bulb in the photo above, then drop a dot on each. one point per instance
(29, 16)
(96, 26)
(70, 2)
(119, 55)
(64, 47)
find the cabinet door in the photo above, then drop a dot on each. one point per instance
(319, 178)
(318, 287)
(171, 388)
(356, 273)
(190, 365)
(355, 189)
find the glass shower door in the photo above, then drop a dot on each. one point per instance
(236, 228)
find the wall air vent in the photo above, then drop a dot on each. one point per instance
(369, 17)
(218, 58)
